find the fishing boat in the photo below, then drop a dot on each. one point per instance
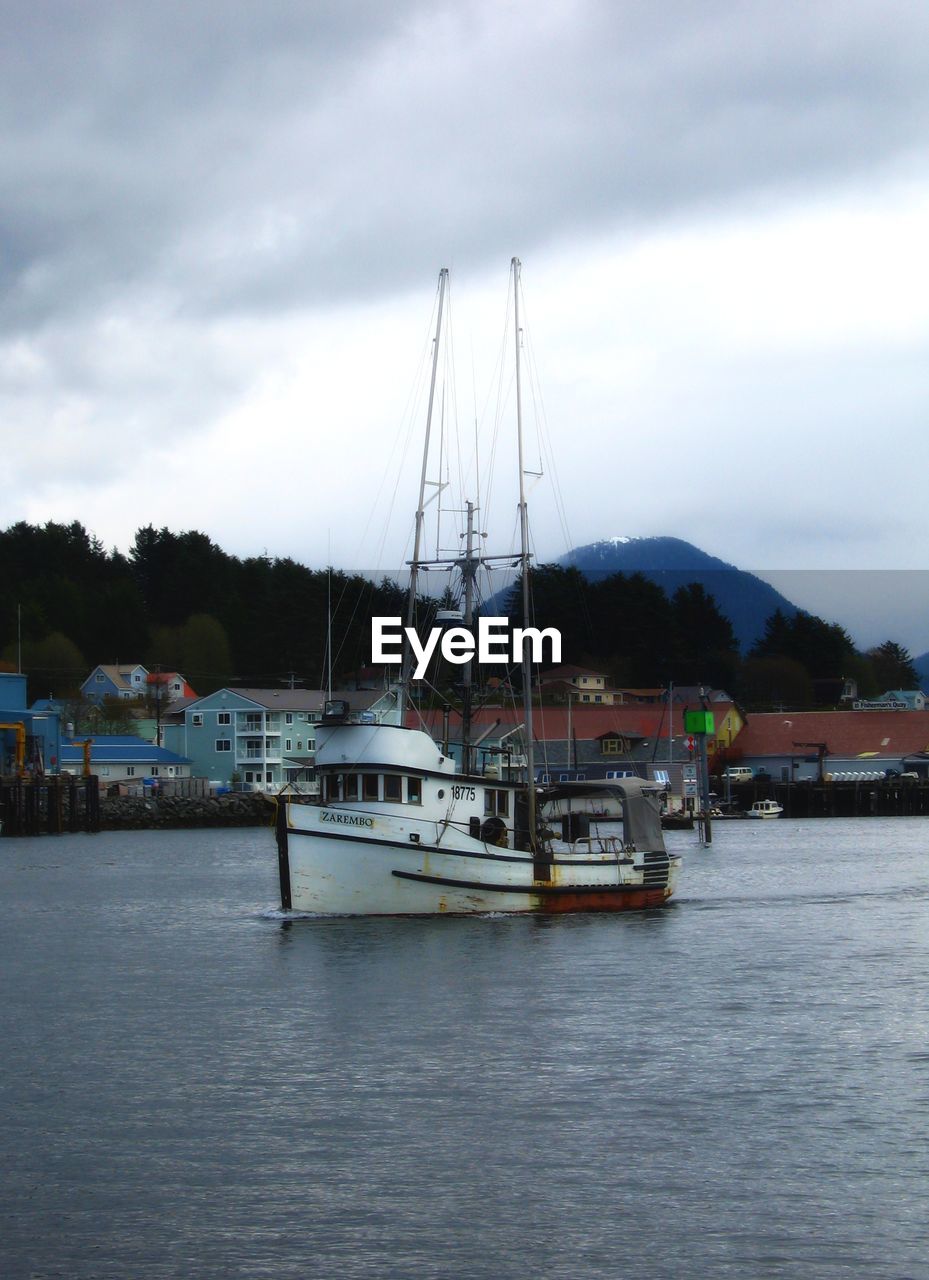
(765, 809)
(401, 827)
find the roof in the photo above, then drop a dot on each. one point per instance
(845, 733)
(565, 670)
(632, 720)
(305, 699)
(119, 748)
(114, 672)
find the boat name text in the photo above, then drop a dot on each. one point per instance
(494, 643)
(346, 819)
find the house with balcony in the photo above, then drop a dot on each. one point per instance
(261, 739)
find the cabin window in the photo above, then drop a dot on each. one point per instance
(393, 789)
(496, 802)
(348, 786)
(369, 786)
(414, 791)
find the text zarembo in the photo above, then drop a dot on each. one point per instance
(494, 643)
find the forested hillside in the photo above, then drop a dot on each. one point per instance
(177, 601)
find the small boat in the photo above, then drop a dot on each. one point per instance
(403, 828)
(765, 809)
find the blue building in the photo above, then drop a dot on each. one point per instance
(30, 739)
(261, 739)
(125, 758)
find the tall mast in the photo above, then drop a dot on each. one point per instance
(406, 665)
(468, 569)
(524, 568)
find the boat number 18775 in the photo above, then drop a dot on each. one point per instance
(462, 793)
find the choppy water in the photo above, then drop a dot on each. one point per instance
(735, 1086)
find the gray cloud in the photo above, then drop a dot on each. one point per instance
(250, 157)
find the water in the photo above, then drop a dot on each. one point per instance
(735, 1086)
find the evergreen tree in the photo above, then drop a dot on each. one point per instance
(893, 667)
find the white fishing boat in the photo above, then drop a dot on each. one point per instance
(402, 828)
(765, 809)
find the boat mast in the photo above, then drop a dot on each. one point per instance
(468, 570)
(541, 869)
(406, 664)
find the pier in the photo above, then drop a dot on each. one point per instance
(49, 806)
(886, 798)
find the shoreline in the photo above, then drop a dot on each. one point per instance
(141, 813)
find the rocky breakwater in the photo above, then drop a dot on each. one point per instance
(135, 813)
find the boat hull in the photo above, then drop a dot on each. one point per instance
(335, 863)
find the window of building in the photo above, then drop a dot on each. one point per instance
(130, 770)
(288, 717)
(288, 745)
(154, 771)
(414, 791)
(197, 719)
(223, 744)
(99, 677)
(611, 746)
(597, 697)
(269, 777)
(224, 717)
(585, 697)
(392, 787)
(105, 771)
(299, 744)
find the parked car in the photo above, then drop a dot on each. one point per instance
(739, 773)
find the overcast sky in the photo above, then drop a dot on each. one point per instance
(222, 225)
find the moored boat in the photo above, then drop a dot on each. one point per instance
(765, 809)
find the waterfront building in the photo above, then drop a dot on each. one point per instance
(259, 739)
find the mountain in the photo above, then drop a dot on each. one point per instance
(745, 599)
(922, 669)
